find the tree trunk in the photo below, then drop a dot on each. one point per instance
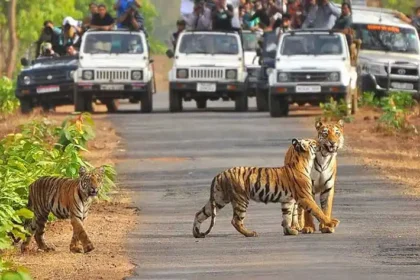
(13, 40)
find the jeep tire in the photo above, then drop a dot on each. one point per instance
(26, 106)
(262, 100)
(82, 102)
(201, 103)
(278, 106)
(175, 101)
(146, 100)
(112, 105)
(241, 102)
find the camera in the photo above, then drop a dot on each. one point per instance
(48, 30)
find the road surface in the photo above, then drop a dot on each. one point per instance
(170, 162)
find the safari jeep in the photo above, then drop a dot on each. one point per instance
(389, 57)
(114, 65)
(312, 66)
(208, 65)
(250, 43)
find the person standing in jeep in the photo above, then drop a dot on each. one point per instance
(222, 16)
(132, 19)
(102, 20)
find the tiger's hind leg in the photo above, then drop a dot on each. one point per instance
(239, 213)
(203, 215)
(289, 211)
(41, 220)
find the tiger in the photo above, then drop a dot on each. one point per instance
(323, 176)
(67, 199)
(286, 185)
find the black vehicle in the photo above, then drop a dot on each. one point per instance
(46, 82)
(267, 55)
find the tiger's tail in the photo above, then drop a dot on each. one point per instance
(213, 208)
(198, 220)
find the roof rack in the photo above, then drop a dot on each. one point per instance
(213, 31)
(118, 29)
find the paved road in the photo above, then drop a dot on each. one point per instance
(171, 160)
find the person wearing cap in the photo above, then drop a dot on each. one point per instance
(132, 19)
(180, 24)
(72, 30)
(102, 20)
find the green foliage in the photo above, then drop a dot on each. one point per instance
(8, 102)
(40, 149)
(369, 100)
(404, 6)
(396, 109)
(9, 271)
(334, 111)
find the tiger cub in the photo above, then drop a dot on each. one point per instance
(65, 198)
(285, 184)
(323, 175)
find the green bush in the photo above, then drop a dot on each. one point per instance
(40, 149)
(8, 102)
(396, 108)
(9, 271)
(334, 111)
(368, 99)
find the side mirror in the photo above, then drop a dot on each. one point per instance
(24, 61)
(170, 53)
(151, 60)
(259, 52)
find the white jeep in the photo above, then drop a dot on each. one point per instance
(114, 65)
(312, 66)
(208, 65)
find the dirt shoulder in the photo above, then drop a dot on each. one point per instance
(162, 66)
(107, 225)
(395, 155)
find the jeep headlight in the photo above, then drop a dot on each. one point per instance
(26, 80)
(182, 73)
(231, 74)
(334, 76)
(87, 75)
(282, 77)
(71, 75)
(136, 75)
(373, 68)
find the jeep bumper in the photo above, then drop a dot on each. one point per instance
(113, 91)
(53, 94)
(389, 83)
(294, 95)
(190, 89)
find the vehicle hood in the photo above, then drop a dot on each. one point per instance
(208, 61)
(249, 59)
(52, 65)
(112, 60)
(310, 63)
(382, 57)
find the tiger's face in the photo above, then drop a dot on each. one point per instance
(330, 136)
(91, 181)
(306, 148)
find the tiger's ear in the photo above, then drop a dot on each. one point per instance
(82, 171)
(296, 144)
(341, 123)
(318, 125)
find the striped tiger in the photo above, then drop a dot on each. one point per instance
(285, 184)
(65, 198)
(323, 175)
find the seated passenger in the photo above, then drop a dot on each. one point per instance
(181, 24)
(72, 32)
(71, 51)
(132, 19)
(102, 20)
(50, 34)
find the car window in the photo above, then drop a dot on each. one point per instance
(209, 44)
(106, 43)
(312, 44)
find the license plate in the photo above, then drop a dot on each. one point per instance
(402, 86)
(206, 87)
(47, 89)
(112, 87)
(308, 89)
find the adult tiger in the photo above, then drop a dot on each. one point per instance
(65, 198)
(323, 175)
(285, 184)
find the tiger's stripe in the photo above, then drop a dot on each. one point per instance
(67, 199)
(287, 184)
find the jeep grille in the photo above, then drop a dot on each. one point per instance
(309, 76)
(403, 71)
(114, 75)
(50, 76)
(207, 74)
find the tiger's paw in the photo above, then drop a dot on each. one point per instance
(88, 248)
(199, 235)
(308, 230)
(76, 249)
(333, 223)
(327, 229)
(290, 231)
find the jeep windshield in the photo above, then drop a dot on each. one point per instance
(311, 44)
(209, 44)
(387, 38)
(113, 43)
(250, 41)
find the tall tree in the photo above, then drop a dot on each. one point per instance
(13, 40)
